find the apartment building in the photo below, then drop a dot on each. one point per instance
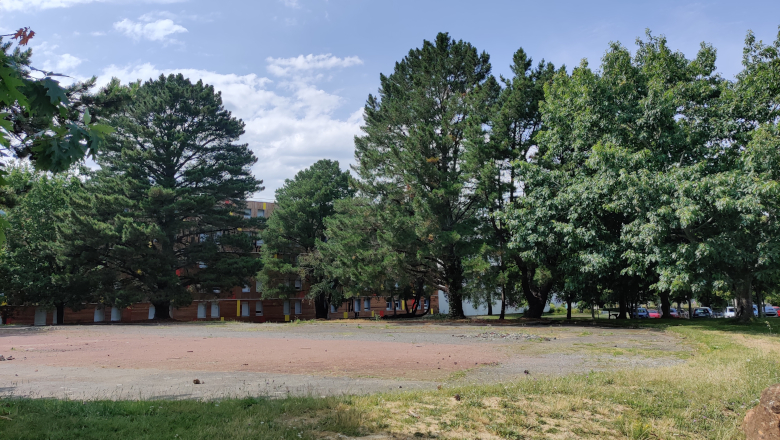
(241, 303)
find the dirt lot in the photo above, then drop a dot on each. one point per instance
(238, 359)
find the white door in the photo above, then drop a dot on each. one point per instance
(245, 309)
(286, 307)
(116, 314)
(151, 311)
(40, 316)
(201, 310)
(215, 310)
(297, 307)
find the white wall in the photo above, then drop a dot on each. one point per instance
(470, 310)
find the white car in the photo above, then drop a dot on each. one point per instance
(730, 312)
(770, 311)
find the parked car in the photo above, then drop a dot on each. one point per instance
(702, 312)
(718, 313)
(770, 311)
(777, 309)
(673, 312)
(730, 312)
(653, 314)
(640, 312)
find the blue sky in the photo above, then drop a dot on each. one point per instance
(298, 71)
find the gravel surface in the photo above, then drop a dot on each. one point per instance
(322, 358)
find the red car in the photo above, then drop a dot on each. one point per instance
(653, 314)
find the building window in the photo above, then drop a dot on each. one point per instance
(389, 305)
(259, 308)
(215, 310)
(261, 212)
(216, 291)
(245, 309)
(116, 314)
(202, 238)
(298, 307)
(246, 289)
(367, 304)
(247, 213)
(425, 304)
(152, 311)
(356, 305)
(201, 310)
(298, 284)
(202, 265)
(398, 304)
(333, 308)
(286, 307)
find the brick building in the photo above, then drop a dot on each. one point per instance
(241, 303)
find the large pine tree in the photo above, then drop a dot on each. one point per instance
(164, 215)
(410, 161)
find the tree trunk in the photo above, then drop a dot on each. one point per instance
(536, 297)
(745, 299)
(454, 272)
(60, 313)
(568, 308)
(666, 305)
(490, 304)
(321, 306)
(161, 310)
(760, 301)
(622, 309)
(503, 304)
(690, 312)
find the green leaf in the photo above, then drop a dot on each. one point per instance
(54, 91)
(87, 117)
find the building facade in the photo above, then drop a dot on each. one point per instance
(241, 303)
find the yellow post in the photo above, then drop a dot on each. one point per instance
(346, 315)
(403, 305)
(372, 314)
(286, 318)
(238, 307)
(221, 318)
(263, 206)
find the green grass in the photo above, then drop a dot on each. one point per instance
(704, 397)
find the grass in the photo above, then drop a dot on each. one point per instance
(704, 397)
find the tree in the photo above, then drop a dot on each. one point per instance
(30, 271)
(494, 149)
(303, 205)
(40, 120)
(411, 157)
(163, 217)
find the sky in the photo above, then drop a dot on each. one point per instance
(298, 72)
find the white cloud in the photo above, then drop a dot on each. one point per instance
(97, 34)
(308, 63)
(154, 30)
(291, 4)
(53, 60)
(289, 127)
(67, 62)
(27, 5)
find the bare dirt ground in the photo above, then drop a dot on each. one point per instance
(322, 358)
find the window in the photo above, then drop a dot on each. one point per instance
(215, 310)
(216, 291)
(152, 311)
(398, 304)
(245, 309)
(202, 238)
(298, 307)
(425, 304)
(246, 289)
(286, 307)
(259, 242)
(202, 265)
(116, 314)
(356, 305)
(258, 286)
(247, 213)
(201, 310)
(261, 212)
(389, 305)
(259, 308)
(333, 308)
(367, 304)
(298, 284)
